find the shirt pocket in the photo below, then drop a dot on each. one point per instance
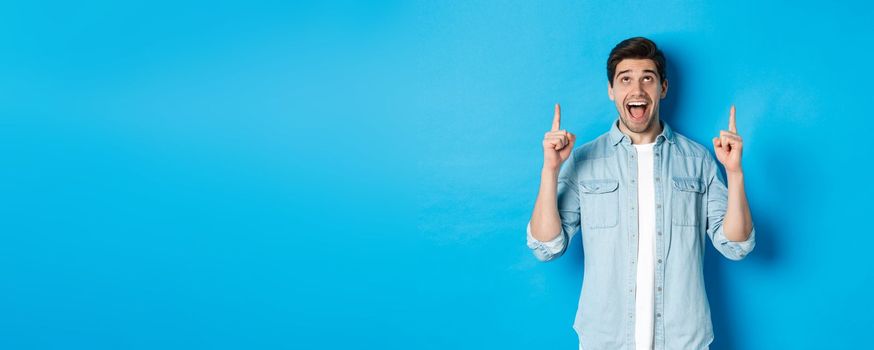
(600, 201)
(687, 200)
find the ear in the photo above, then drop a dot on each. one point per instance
(664, 88)
(610, 91)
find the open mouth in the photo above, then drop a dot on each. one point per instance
(637, 109)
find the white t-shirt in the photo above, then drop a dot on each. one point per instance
(644, 295)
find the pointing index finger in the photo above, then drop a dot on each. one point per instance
(732, 124)
(556, 120)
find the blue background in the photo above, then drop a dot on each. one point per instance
(272, 175)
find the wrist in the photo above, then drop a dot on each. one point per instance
(549, 171)
(736, 175)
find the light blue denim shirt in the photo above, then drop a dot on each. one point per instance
(597, 196)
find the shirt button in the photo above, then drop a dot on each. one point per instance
(632, 180)
(660, 233)
(658, 206)
(657, 179)
(660, 261)
(658, 315)
(660, 289)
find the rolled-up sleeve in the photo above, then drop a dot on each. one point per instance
(546, 251)
(717, 201)
(568, 211)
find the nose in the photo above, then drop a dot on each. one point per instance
(637, 87)
(636, 90)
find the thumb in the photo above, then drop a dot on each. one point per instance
(571, 137)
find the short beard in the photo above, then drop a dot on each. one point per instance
(644, 128)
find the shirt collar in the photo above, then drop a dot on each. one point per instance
(617, 136)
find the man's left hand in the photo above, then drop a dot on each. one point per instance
(729, 146)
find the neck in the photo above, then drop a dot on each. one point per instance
(647, 136)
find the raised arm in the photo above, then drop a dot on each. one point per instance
(545, 235)
(728, 146)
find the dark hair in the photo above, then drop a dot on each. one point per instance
(636, 48)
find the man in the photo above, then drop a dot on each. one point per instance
(644, 197)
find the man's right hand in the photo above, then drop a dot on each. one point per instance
(557, 144)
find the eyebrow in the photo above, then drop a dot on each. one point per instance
(629, 70)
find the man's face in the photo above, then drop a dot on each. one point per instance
(636, 91)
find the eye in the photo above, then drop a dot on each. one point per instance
(625, 79)
(647, 78)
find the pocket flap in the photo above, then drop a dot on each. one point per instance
(599, 186)
(689, 184)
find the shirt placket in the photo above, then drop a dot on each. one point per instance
(658, 324)
(633, 231)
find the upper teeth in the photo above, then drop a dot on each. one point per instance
(634, 104)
